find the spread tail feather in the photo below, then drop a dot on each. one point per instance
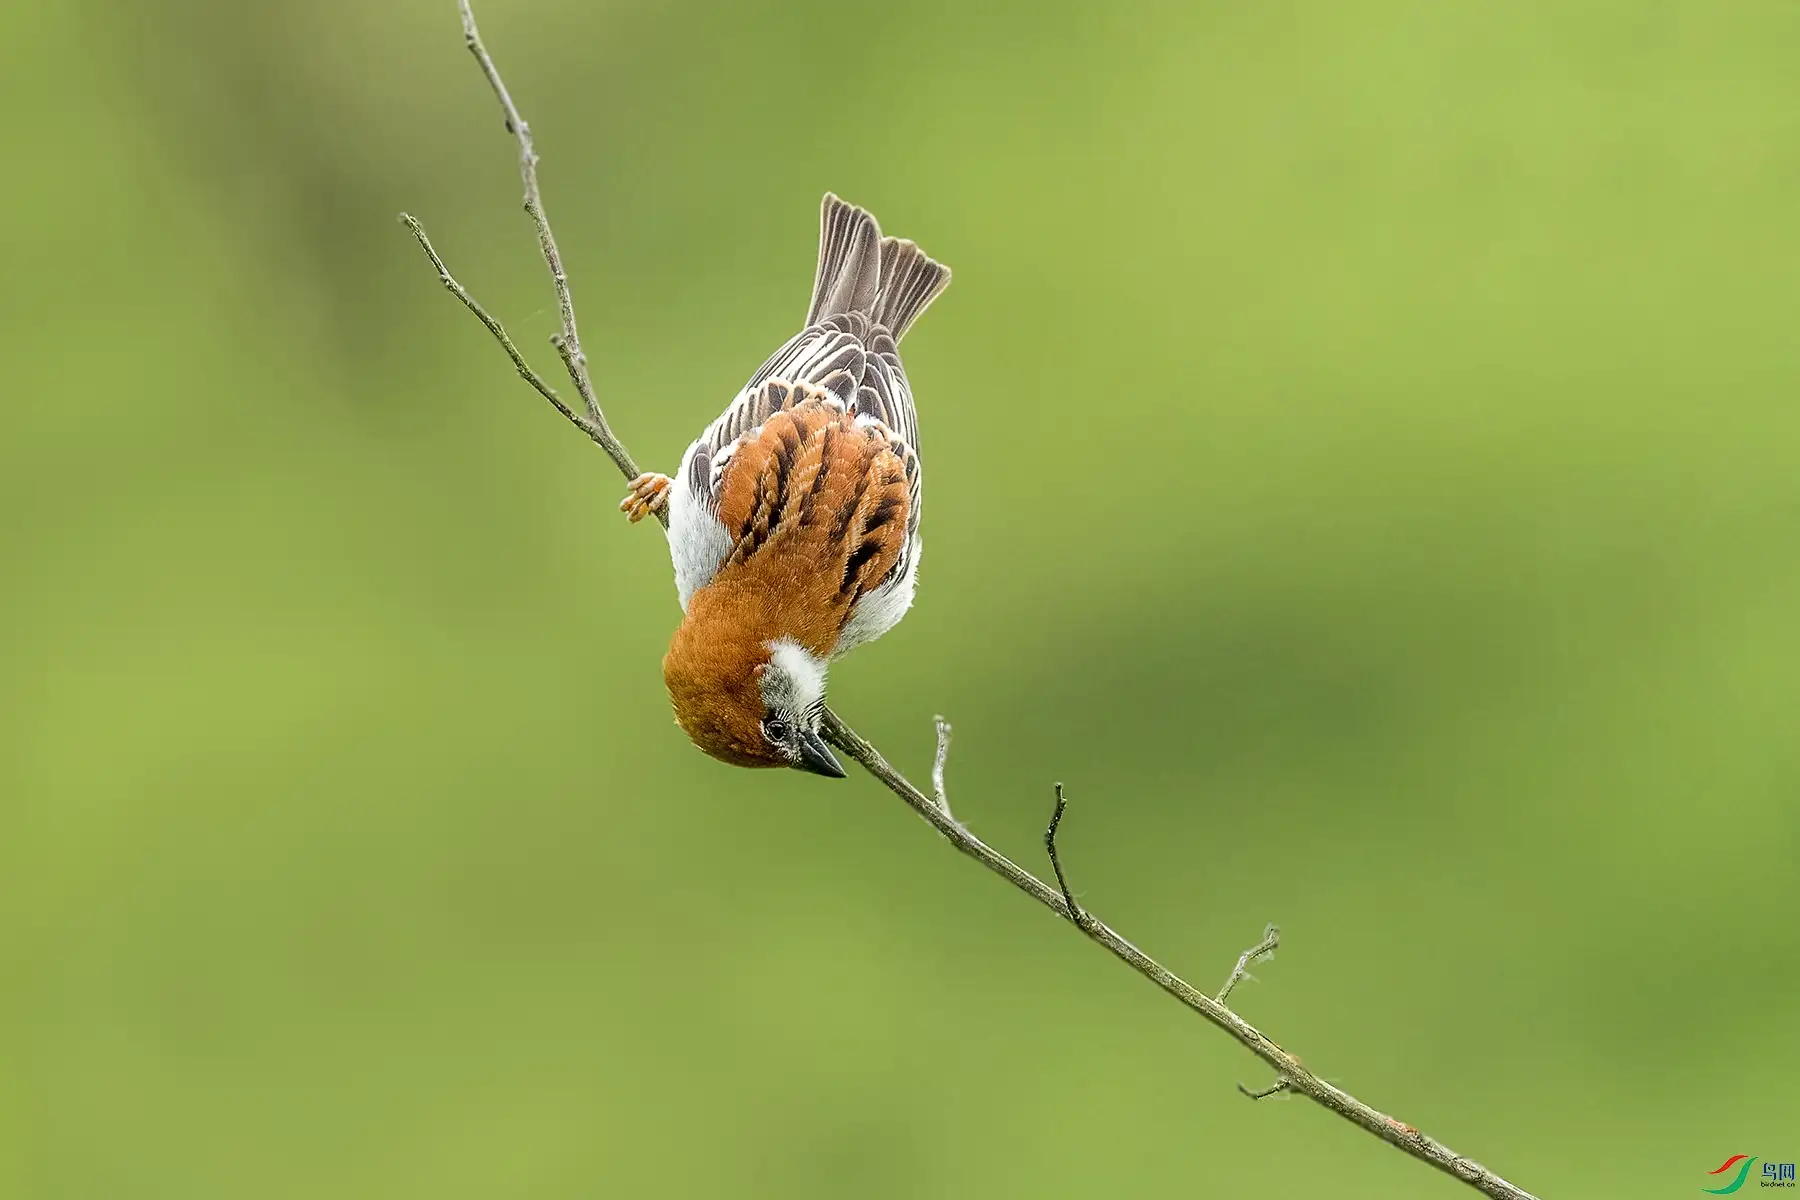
(910, 281)
(888, 280)
(849, 273)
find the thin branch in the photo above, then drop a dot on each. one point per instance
(569, 348)
(937, 767)
(1059, 901)
(1276, 1088)
(1071, 907)
(1291, 1076)
(494, 327)
(1271, 938)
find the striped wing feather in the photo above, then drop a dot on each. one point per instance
(816, 507)
(840, 375)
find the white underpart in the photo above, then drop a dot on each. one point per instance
(795, 680)
(697, 540)
(880, 610)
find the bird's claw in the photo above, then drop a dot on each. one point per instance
(649, 493)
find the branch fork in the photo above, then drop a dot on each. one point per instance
(1291, 1076)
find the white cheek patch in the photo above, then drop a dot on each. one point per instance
(795, 680)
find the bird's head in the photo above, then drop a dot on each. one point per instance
(747, 702)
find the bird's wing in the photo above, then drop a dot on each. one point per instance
(820, 487)
(867, 291)
(812, 505)
(858, 366)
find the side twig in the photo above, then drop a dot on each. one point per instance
(595, 432)
(1291, 1076)
(937, 767)
(1071, 907)
(1271, 938)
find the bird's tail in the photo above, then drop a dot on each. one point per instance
(888, 280)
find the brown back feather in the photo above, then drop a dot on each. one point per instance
(817, 508)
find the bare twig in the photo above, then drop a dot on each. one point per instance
(1071, 906)
(1276, 1088)
(494, 327)
(937, 767)
(1060, 901)
(569, 346)
(1291, 1076)
(1271, 938)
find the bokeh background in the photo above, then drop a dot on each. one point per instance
(1362, 443)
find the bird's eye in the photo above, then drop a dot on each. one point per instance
(775, 729)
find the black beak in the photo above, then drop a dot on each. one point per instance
(816, 757)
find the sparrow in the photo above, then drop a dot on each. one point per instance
(794, 518)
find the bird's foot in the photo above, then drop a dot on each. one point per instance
(649, 493)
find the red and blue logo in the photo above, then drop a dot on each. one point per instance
(1774, 1174)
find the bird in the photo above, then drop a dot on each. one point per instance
(793, 521)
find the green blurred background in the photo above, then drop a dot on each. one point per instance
(1362, 444)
